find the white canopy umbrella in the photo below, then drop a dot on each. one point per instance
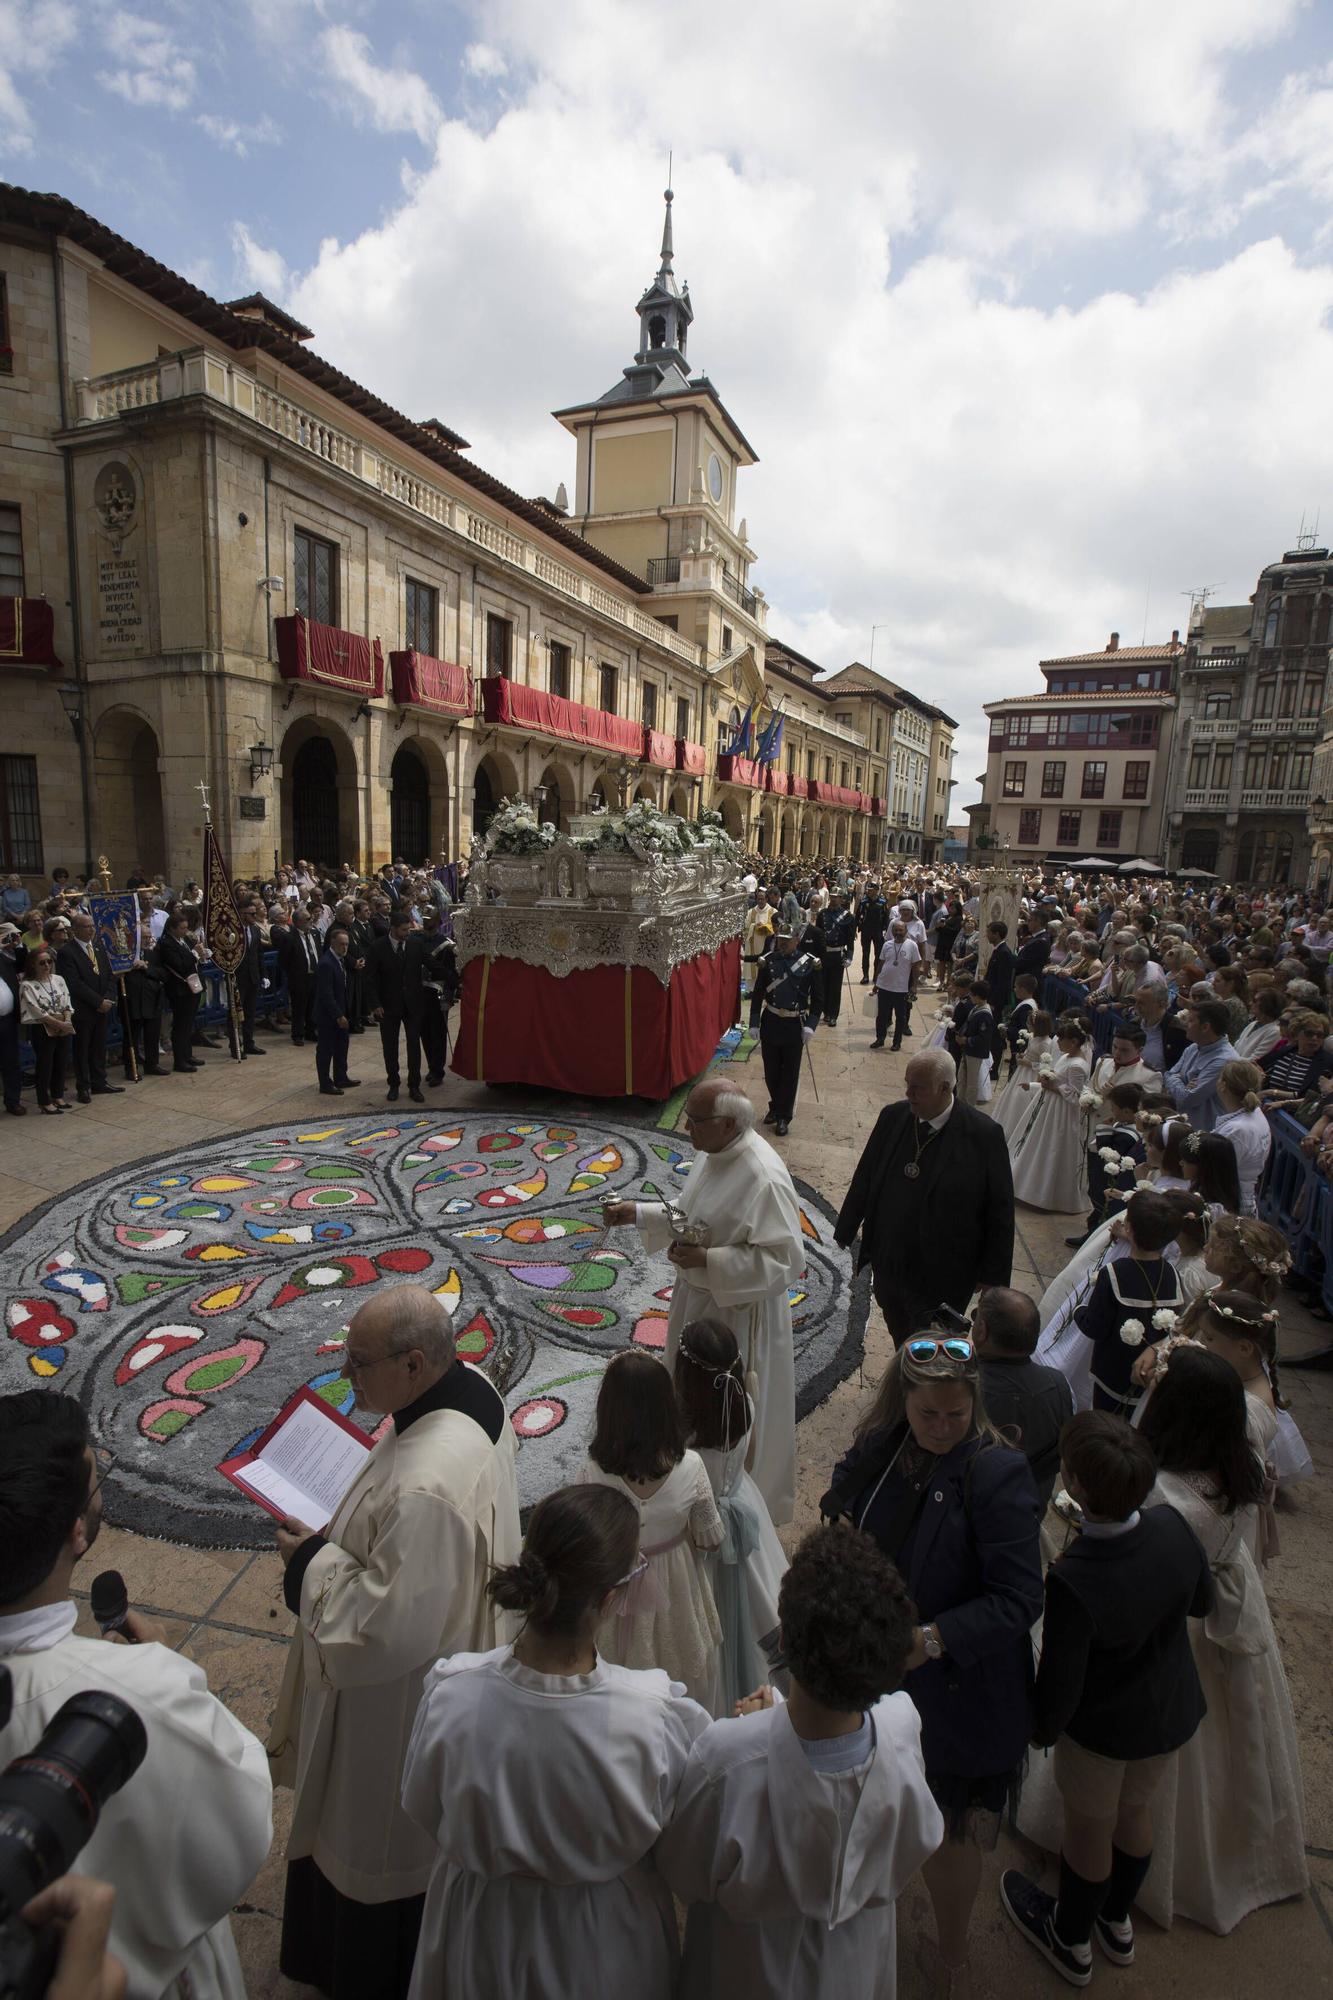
(1140, 868)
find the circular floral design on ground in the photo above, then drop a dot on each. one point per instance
(184, 1299)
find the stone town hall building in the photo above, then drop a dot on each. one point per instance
(224, 560)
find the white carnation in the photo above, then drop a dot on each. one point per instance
(1132, 1332)
(1164, 1320)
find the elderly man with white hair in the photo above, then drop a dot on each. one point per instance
(933, 1199)
(396, 1580)
(736, 1251)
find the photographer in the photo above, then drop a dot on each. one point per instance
(190, 1830)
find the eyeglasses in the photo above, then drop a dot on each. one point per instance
(351, 1366)
(953, 1348)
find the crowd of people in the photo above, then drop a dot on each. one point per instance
(515, 1754)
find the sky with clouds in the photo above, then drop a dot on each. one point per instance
(1025, 307)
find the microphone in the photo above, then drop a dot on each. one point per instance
(111, 1604)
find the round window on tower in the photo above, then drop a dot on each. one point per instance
(715, 476)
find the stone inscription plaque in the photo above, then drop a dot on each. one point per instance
(120, 625)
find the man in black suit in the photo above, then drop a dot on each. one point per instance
(1030, 1404)
(10, 1072)
(872, 924)
(933, 1198)
(250, 977)
(434, 969)
(298, 959)
(398, 1001)
(999, 969)
(1033, 950)
(330, 1009)
(85, 968)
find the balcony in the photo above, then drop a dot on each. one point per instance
(1284, 725)
(706, 570)
(1269, 801)
(741, 771)
(196, 372)
(1214, 730)
(512, 705)
(1196, 801)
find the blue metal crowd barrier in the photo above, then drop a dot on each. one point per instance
(1069, 996)
(1298, 1201)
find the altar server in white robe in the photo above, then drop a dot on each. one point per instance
(543, 1775)
(397, 1578)
(797, 1827)
(188, 1832)
(740, 1199)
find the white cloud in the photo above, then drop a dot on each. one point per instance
(393, 100)
(258, 269)
(32, 39)
(860, 216)
(236, 137)
(153, 72)
(480, 60)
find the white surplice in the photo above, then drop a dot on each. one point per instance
(791, 1875)
(401, 1581)
(541, 1797)
(186, 1836)
(744, 1198)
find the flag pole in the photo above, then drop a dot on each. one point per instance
(233, 1034)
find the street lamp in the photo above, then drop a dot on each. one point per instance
(71, 700)
(261, 761)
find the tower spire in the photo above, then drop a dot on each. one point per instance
(667, 251)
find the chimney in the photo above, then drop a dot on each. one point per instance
(1114, 646)
(1175, 635)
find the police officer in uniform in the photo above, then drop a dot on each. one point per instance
(788, 998)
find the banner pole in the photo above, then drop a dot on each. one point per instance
(127, 1033)
(233, 1032)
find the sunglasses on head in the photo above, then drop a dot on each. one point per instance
(951, 1347)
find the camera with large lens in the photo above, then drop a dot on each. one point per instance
(50, 1800)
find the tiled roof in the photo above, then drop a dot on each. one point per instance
(1073, 699)
(52, 214)
(1170, 651)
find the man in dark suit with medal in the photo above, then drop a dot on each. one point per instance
(933, 1198)
(331, 1023)
(786, 1007)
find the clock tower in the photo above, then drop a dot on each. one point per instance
(656, 483)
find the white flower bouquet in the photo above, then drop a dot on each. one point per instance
(515, 829)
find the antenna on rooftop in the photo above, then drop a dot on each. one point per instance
(1198, 598)
(1307, 537)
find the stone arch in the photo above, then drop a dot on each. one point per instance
(493, 779)
(411, 805)
(645, 790)
(318, 809)
(765, 834)
(127, 790)
(806, 835)
(733, 819)
(680, 803)
(557, 801)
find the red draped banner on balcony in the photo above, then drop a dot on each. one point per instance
(798, 788)
(659, 749)
(740, 771)
(27, 631)
(691, 757)
(420, 681)
(308, 651)
(879, 808)
(506, 701)
(776, 781)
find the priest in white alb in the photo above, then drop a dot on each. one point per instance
(395, 1581)
(740, 1209)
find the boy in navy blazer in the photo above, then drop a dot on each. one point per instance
(1118, 1692)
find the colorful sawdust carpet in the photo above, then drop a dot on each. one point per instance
(184, 1300)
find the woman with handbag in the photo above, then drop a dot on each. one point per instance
(46, 1008)
(956, 1511)
(182, 986)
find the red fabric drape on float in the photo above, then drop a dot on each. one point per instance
(611, 1032)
